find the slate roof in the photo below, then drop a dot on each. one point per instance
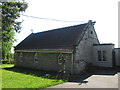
(62, 38)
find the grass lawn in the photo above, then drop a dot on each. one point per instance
(6, 65)
(19, 79)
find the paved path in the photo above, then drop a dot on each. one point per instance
(97, 80)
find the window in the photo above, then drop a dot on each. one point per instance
(60, 58)
(102, 56)
(36, 58)
(91, 32)
(99, 56)
(21, 57)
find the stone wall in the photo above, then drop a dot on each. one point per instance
(84, 51)
(117, 53)
(46, 61)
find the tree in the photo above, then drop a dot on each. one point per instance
(10, 12)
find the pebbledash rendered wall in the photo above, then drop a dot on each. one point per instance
(117, 53)
(103, 47)
(84, 51)
(46, 61)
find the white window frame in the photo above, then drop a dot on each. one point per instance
(103, 55)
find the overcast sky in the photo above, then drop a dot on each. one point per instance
(104, 12)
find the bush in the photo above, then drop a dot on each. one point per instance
(9, 57)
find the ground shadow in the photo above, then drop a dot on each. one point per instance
(75, 78)
(105, 72)
(81, 79)
(38, 73)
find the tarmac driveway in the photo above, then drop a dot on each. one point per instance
(98, 79)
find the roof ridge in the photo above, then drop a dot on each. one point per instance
(61, 28)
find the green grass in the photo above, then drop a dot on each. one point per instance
(6, 65)
(17, 78)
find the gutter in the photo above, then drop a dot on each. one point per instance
(47, 50)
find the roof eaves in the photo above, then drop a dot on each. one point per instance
(47, 50)
(103, 44)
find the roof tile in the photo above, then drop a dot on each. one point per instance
(62, 38)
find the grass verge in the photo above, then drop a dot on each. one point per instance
(21, 78)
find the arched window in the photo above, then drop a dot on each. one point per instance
(21, 57)
(36, 58)
(61, 59)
